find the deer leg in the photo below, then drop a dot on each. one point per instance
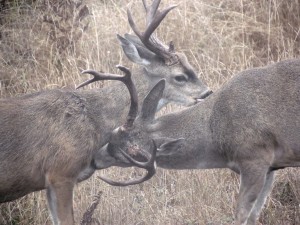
(253, 179)
(261, 199)
(60, 197)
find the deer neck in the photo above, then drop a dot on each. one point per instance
(193, 124)
(142, 83)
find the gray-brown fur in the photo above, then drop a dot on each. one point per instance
(251, 125)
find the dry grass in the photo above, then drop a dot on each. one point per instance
(44, 46)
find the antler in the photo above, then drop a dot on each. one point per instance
(150, 166)
(126, 79)
(153, 19)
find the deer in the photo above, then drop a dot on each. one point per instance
(251, 125)
(48, 141)
(157, 60)
(51, 139)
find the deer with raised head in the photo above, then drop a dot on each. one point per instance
(50, 139)
(158, 61)
(251, 125)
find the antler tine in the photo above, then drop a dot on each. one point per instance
(154, 18)
(126, 79)
(133, 111)
(155, 21)
(153, 24)
(150, 166)
(145, 5)
(151, 11)
(99, 76)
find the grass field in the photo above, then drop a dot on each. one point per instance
(45, 43)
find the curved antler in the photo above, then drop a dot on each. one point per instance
(153, 18)
(126, 79)
(150, 166)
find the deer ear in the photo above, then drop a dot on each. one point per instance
(150, 102)
(168, 146)
(143, 51)
(135, 52)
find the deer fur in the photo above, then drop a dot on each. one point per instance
(251, 125)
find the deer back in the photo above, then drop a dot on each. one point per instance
(260, 105)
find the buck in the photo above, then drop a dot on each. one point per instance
(48, 140)
(158, 61)
(251, 125)
(51, 139)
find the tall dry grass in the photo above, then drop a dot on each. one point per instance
(45, 43)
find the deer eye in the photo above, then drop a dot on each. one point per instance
(181, 78)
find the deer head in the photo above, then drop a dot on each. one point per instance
(160, 61)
